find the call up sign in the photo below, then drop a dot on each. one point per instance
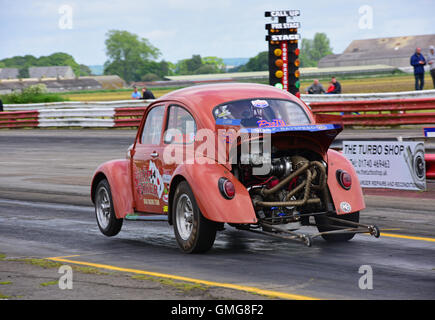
(282, 37)
(283, 13)
(388, 164)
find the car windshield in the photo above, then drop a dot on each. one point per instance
(263, 113)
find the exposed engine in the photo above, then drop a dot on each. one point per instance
(294, 183)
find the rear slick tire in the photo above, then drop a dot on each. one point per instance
(323, 225)
(194, 233)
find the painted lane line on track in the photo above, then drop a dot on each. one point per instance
(275, 294)
(402, 236)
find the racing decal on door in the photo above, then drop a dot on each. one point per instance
(149, 181)
(156, 179)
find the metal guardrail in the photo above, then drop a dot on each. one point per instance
(74, 117)
(77, 104)
(307, 98)
(380, 112)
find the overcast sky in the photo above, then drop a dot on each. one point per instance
(180, 28)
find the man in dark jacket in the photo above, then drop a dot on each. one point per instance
(1, 105)
(337, 86)
(147, 94)
(418, 62)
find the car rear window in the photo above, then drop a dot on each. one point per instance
(262, 113)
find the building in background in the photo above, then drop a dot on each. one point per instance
(9, 73)
(64, 72)
(394, 51)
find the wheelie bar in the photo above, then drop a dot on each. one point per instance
(301, 237)
(307, 239)
(360, 228)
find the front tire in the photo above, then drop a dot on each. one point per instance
(194, 233)
(324, 225)
(107, 222)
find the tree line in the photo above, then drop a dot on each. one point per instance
(311, 51)
(135, 59)
(23, 63)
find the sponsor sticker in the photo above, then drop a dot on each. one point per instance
(345, 207)
(260, 103)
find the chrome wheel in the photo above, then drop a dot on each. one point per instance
(193, 232)
(103, 207)
(184, 216)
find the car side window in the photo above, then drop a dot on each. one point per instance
(181, 126)
(153, 126)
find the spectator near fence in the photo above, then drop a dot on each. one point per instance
(135, 95)
(431, 62)
(418, 62)
(335, 87)
(1, 105)
(315, 88)
(147, 94)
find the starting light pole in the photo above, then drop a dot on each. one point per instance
(283, 41)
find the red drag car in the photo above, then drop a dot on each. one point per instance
(248, 155)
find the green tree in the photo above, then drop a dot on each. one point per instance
(217, 63)
(152, 70)
(258, 63)
(23, 73)
(194, 63)
(198, 65)
(85, 70)
(60, 59)
(206, 69)
(305, 54)
(321, 46)
(126, 51)
(312, 50)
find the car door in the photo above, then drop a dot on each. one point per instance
(178, 141)
(147, 164)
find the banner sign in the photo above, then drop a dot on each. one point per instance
(388, 164)
(429, 132)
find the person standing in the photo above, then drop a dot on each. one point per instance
(418, 62)
(315, 88)
(431, 62)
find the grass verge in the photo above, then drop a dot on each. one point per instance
(182, 286)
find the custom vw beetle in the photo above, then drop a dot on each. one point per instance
(248, 155)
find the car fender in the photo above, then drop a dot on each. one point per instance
(117, 172)
(203, 180)
(345, 201)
